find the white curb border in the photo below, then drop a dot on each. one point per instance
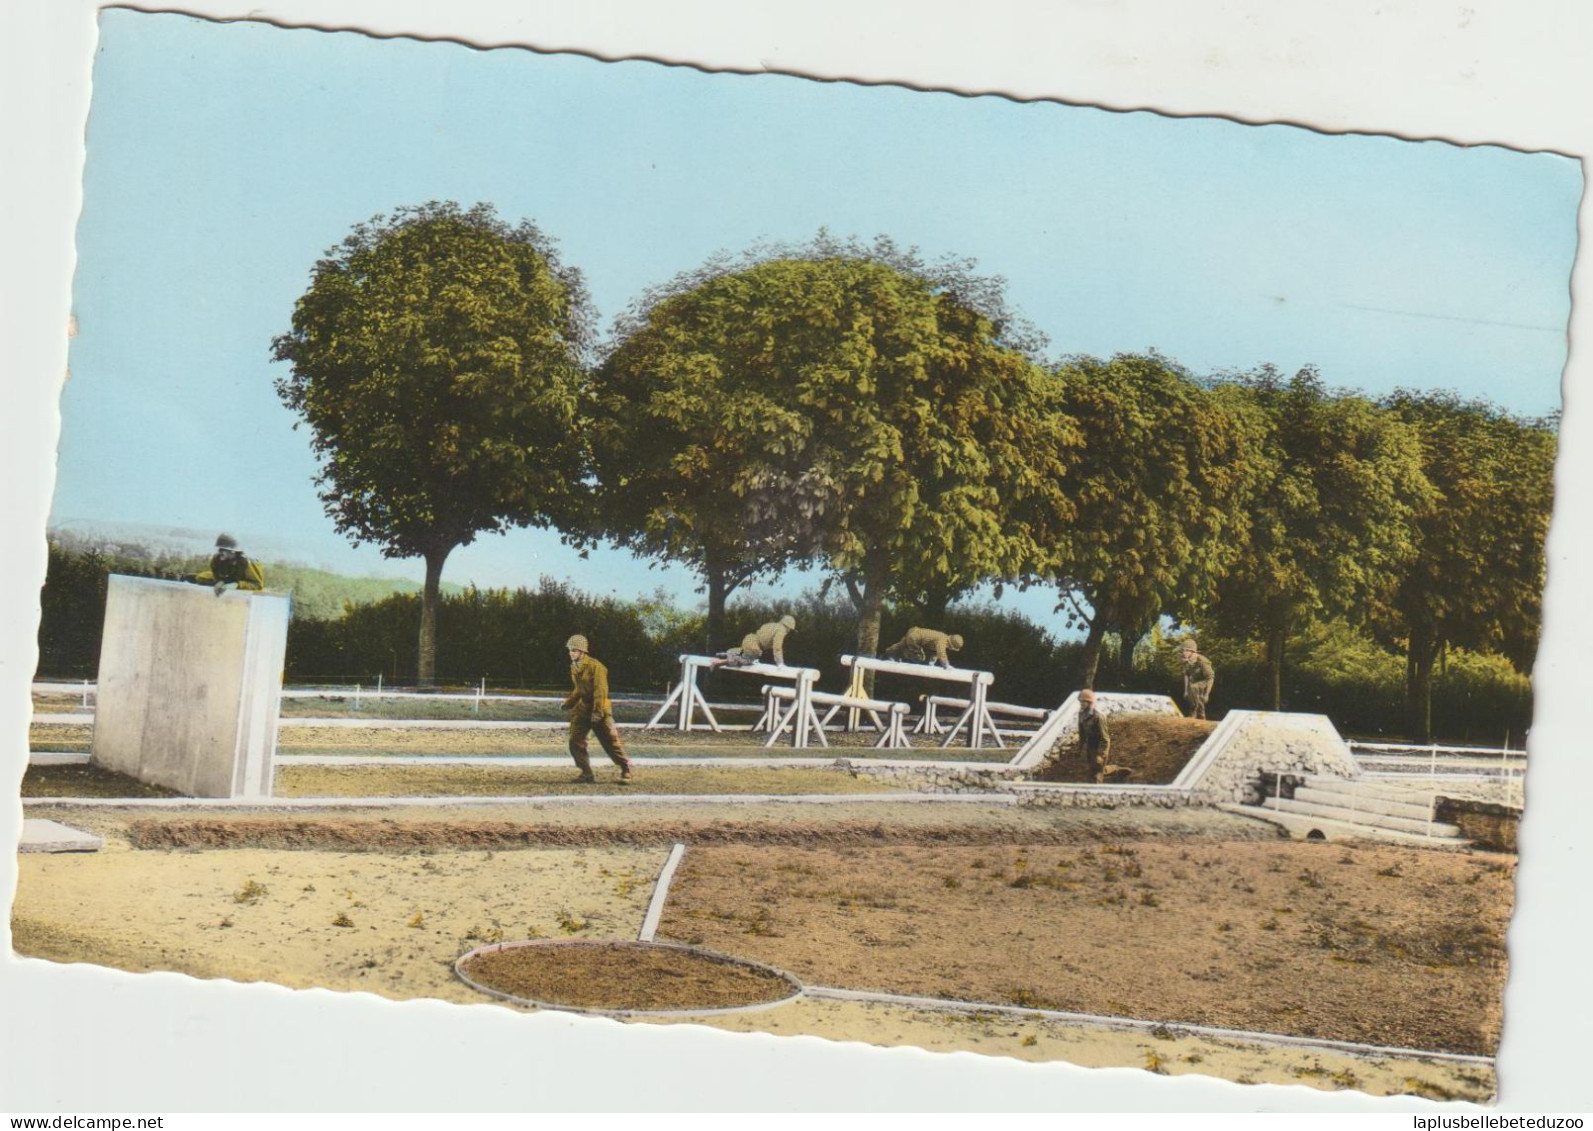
(655, 906)
(1178, 1028)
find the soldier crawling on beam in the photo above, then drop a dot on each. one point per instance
(925, 646)
(768, 639)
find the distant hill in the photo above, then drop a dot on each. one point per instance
(323, 595)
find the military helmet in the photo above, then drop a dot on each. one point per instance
(789, 621)
(954, 641)
(577, 642)
(1189, 645)
(226, 542)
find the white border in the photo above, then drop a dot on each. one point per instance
(1509, 71)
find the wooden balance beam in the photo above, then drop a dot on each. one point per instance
(892, 734)
(687, 698)
(929, 722)
(976, 718)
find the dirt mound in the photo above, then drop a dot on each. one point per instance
(354, 835)
(626, 977)
(1154, 746)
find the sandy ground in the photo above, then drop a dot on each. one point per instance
(277, 913)
(1164, 1050)
(390, 924)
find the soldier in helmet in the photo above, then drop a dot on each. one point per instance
(591, 712)
(925, 646)
(768, 639)
(1199, 676)
(230, 568)
(1095, 742)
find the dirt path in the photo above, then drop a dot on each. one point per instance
(1382, 945)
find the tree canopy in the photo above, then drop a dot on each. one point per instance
(1331, 525)
(1159, 500)
(1476, 578)
(436, 357)
(833, 403)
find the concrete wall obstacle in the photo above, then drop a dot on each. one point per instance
(1250, 745)
(189, 686)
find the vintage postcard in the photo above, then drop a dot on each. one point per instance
(741, 556)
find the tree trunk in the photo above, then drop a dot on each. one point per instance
(870, 603)
(426, 673)
(1125, 656)
(1277, 634)
(718, 591)
(1419, 683)
(1092, 652)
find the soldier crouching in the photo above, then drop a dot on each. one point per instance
(592, 713)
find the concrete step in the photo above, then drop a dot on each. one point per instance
(1345, 815)
(41, 835)
(1360, 787)
(1301, 827)
(1366, 802)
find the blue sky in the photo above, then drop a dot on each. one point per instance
(223, 159)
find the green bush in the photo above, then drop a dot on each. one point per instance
(515, 640)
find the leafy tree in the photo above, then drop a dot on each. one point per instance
(1331, 522)
(436, 357)
(1159, 498)
(1476, 580)
(839, 403)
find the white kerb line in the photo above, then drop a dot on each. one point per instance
(655, 906)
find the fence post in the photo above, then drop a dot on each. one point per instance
(378, 685)
(85, 692)
(481, 690)
(356, 697)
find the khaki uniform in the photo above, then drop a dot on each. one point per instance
(1199, 676)
(1095, 742)
(923, 645)
(591, 712)
(233, 569)
(768, 639)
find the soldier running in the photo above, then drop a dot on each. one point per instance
(1199, 676)
(591, 712)
(770, 638)
(925, 646)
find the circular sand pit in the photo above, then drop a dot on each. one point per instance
(591, 976)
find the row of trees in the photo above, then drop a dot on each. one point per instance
(894, 423)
